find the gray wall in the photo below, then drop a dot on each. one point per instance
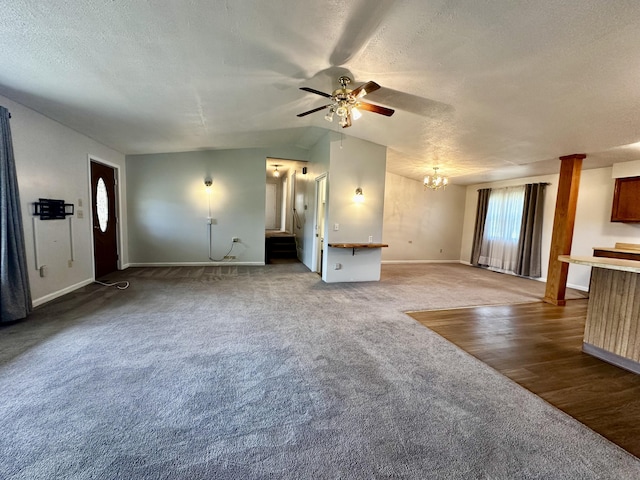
(168, 205)
(52, 161)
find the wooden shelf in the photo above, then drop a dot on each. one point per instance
(354, 246)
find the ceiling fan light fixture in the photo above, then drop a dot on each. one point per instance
(342, 111)
(329, 116)
(345, 102)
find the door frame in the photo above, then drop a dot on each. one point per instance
(118, 190)
(317, 245)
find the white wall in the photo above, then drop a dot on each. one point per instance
(52, 162)
(354, 163)
(422, 225)
(593, 227)
(168, 205)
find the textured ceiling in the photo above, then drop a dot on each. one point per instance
(483, 89)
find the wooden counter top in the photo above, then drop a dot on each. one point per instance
(354, 246)
(358, 245)
(603, 262)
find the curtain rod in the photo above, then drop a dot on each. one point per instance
(539, 183)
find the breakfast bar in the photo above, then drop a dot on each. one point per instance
(612, 328)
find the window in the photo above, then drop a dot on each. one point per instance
(102, 205)
(499, 248)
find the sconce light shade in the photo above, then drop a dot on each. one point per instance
(359, 196)
(208, 182)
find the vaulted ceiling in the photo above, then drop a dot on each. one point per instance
(482, 89)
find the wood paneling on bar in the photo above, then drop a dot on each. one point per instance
(614, 312)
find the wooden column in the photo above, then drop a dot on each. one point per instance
(564, 219)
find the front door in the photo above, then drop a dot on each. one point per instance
(103, 198)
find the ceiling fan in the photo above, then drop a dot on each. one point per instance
(346, 103)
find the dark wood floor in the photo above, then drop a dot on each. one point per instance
(539, 346)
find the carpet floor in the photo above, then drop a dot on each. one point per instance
(267, 372)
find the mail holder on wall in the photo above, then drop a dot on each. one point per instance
(49, 209)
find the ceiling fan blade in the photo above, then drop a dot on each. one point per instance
(365, 88)
(363, 22)
(375, 108)
(412, 103)
(313, 111)
(317, 92)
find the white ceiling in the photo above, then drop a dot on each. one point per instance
(483, 89)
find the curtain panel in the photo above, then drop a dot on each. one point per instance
(528, 263)
(478, 231)
(502, 229)
(15, 295)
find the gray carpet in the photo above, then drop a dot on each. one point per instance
(266, 372)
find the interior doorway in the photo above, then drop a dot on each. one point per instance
(104, 218)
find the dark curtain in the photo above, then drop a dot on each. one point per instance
(15, 296)
(481, 216)
(528, 263)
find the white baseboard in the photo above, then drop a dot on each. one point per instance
(578, 287)
(415, 262)
(52, 296)
(196, 264)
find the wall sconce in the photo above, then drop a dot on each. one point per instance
(359, 196)
(207, 183)
(276, 173)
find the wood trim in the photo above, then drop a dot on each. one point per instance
(606, 253)
(611, 358)
(563, 222)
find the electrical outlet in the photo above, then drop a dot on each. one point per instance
(80, 214)
(336, 227)
(235, 239)
(337, 266)
(44, 271)
(370, 238)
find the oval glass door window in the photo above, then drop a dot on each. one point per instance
(102, 205)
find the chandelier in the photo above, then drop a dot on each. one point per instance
(435, 181)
